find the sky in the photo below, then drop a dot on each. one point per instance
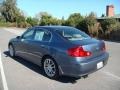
(63, 8)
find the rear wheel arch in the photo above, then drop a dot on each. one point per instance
(47, 56)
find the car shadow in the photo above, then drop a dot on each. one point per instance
(38, 69)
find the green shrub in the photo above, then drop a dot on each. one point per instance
(23, 25)
(4, 24)
(32, 21)
(110, 26)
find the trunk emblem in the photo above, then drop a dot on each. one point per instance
(97, 48)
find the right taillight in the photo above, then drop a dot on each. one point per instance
(78, 52)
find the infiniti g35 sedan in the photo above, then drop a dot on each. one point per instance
(60, 50)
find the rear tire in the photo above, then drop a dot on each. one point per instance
(11, 50)
(85, 76)
(50, 68)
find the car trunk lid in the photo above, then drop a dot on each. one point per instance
(96, 47)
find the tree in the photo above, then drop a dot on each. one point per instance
(74, 19)
(47, 19)
(115, 33)
(108, 25)
(2, 19)
(90, 25)
(103, 15)
(62, 21)
(20, 20)
(32, 21)
(9, 10)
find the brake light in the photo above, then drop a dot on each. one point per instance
(104, 47)
(78, 52)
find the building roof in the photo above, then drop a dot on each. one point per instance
(117, 16)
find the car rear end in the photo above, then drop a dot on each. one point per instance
(83, 55)
(80, 60)
(87, 58)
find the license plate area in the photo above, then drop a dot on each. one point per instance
(99, 65)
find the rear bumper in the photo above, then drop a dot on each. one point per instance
(84, 68)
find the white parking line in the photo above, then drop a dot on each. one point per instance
(3, 74)
(111, 74)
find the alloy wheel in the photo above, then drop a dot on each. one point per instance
(49, 68)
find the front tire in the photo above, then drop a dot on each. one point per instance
(11, 51)
(50, 68)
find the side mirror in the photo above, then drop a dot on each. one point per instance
(18, 37)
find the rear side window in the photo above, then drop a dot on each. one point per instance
(42, 35)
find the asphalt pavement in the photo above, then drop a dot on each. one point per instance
(23, 75)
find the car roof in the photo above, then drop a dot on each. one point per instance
(53, 27)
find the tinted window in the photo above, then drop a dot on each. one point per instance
(41, 35)
(28, 34)
(72, 33)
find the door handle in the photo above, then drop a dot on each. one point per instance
(42, 45)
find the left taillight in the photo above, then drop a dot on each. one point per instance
(104, 47)
(78, 52)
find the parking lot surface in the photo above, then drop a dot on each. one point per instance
(1, 85)
(23, 75)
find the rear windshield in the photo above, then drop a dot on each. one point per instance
(72, 34)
